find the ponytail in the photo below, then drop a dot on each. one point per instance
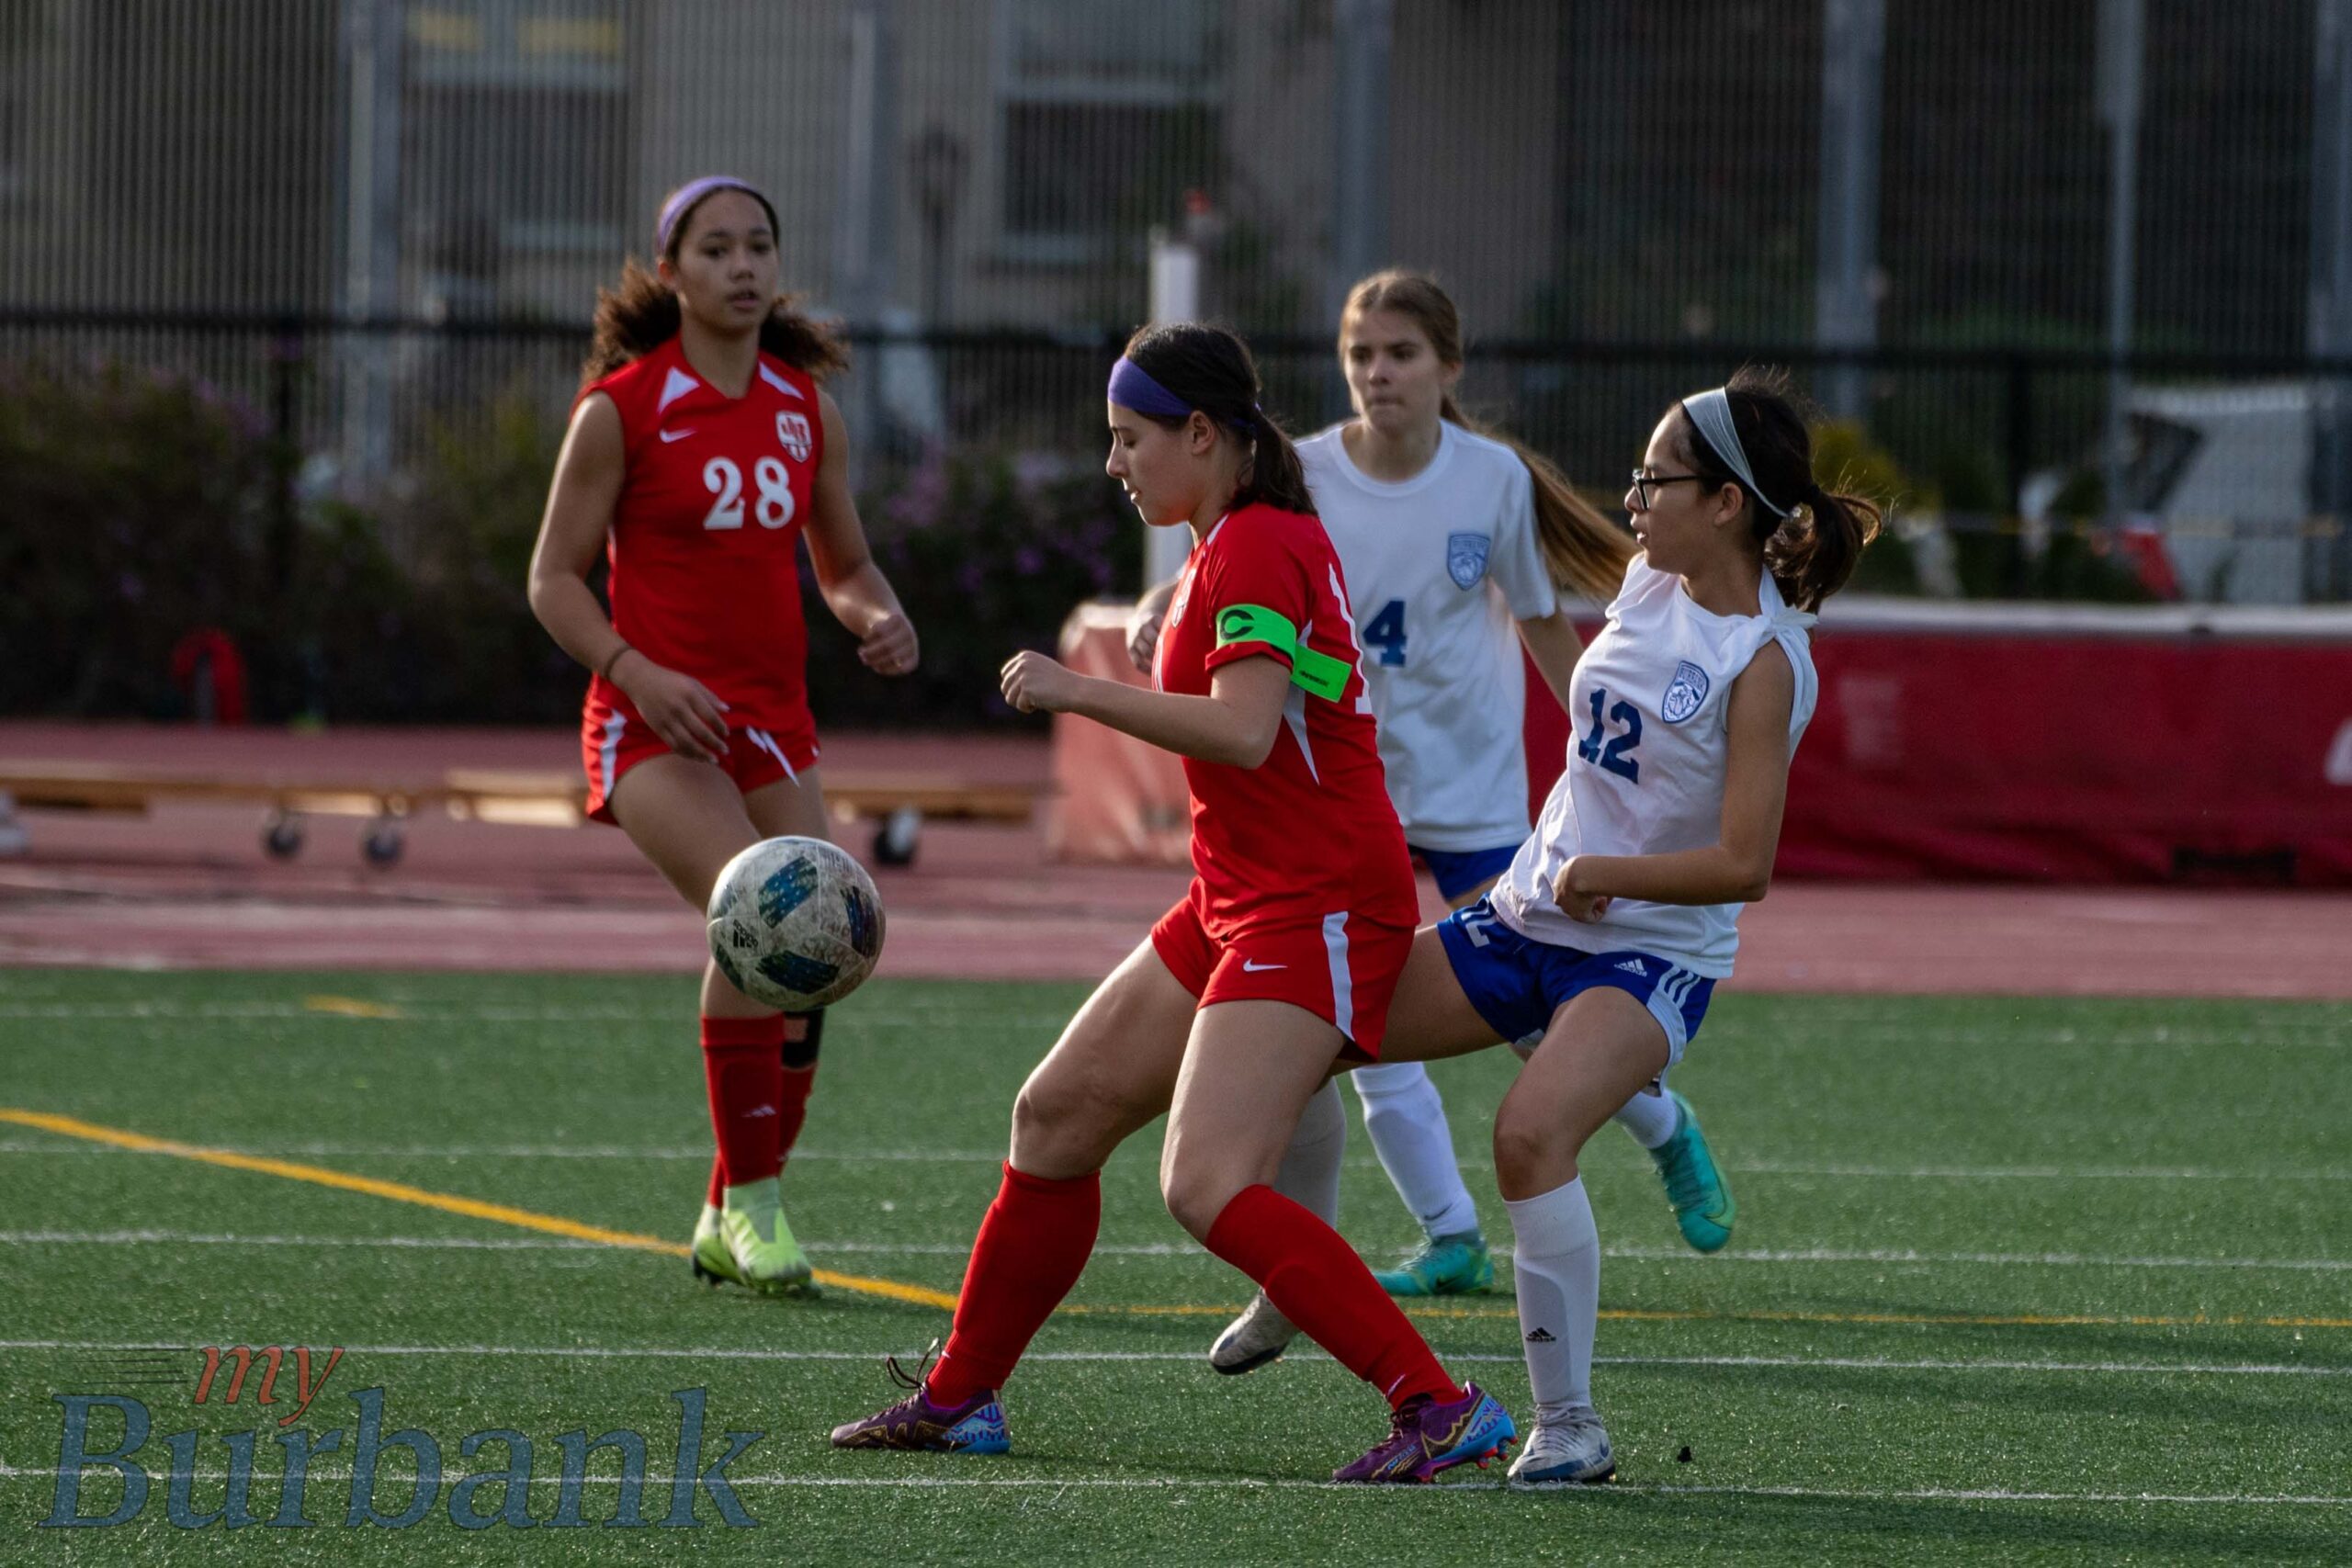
(1813, 550)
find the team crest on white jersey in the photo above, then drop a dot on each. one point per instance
(1683, 693)
(792, 429)
(1466, 557)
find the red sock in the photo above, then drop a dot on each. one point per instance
(1030, 1251)
(744, 1076)
(1317, 1280)
(717, 1181)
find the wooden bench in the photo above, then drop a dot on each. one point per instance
(897, 803)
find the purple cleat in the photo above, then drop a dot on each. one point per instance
(974, 1427)
(1426, 1438)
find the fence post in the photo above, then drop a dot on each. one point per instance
(285, 361)
(2328, 568)
(1845, 290)
(2019, 410)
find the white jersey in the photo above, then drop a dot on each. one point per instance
(1440, 568)
(1647, 754)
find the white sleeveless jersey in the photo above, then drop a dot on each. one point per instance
(1440, 568)
(1647, 754)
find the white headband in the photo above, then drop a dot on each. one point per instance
(1711, 416)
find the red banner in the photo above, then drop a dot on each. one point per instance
(1953, 744)
(2066, 749)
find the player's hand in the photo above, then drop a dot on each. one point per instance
(1144, 623)
(684, 713)
(1033, 682)
(1585, 907)
(890, 648)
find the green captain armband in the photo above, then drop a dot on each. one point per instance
(1318, 674)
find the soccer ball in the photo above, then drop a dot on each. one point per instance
(795, 923)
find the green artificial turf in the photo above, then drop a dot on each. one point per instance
(2013, 1280)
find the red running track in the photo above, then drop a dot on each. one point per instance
(189, 887)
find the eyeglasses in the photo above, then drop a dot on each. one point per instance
(1644, 483)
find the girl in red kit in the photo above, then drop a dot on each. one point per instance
(1281, 958)
(701, 450)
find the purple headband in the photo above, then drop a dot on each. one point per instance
(682, 200)
(1133, 387)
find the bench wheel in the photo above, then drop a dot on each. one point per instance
(900, 834)
(382, 841)
(281, 835)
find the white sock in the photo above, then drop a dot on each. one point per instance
(1558, 1267)
(1406, 1121)
(1651, 1118)
(1309, 1175)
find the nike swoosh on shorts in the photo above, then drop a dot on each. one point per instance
(1254, 967)
(667, 435)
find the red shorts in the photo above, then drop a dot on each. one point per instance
(615, 739)
(1342, 968)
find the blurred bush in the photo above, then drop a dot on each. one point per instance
(989, 552)
(136, 507)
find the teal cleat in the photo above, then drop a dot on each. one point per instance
(1455, 1265)
(1702, 1204)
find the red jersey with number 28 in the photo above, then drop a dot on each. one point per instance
(705, 574)
(1310, 830)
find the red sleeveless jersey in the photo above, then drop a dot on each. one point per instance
(1310, 830)
(705, 575)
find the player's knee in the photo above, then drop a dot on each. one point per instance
(1525, 1144)
(1195, 1194)
(1061, 1127)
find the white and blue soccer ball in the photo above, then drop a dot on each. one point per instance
(795, 923)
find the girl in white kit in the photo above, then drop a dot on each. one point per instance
(1597, 953)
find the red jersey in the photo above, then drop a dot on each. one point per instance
(1310, 830)
(705, 576)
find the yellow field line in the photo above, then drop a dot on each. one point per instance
(448, 1203)
(893, 1290)
(351, 1007)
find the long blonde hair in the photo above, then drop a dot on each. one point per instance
(1582, 549)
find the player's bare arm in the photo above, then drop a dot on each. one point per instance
(588, 474)
(860, 597)
(1235, 724)
(1554, 644)
(1738, 869)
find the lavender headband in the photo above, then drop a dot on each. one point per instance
(1133, 387)
(675, 211)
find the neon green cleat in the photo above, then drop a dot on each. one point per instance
(759, 1243)
(714, 1265)
(1443, 1265)
(1702, 1204)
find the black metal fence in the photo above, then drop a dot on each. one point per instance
(1978, 443)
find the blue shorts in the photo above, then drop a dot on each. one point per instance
(1518, 983)
(1458, 870)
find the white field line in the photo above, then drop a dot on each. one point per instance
(654, 1483)
(701, 1154)
(1163, 1249)
(1851, 1363)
